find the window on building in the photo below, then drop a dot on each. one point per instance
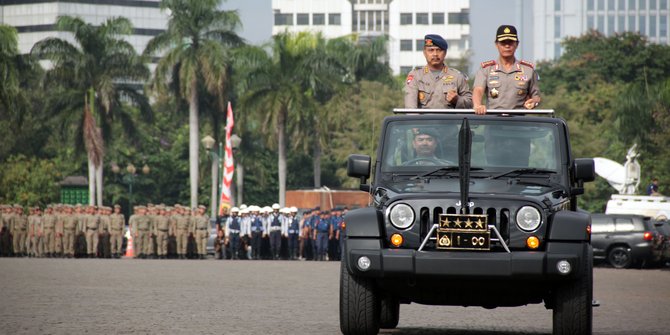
(318, 19)
(557, 50)
(459, 18)
(632, 26)
(557, 5)
(419, 44)
(405, 69)
(378, 20)
(335, 19)
(663, 26)
(302, 19)
(622, 5)
(652, 4)
(283, 19)
(601, 24)
(438, 18)
(663, 4)
(590, 23)
(601, 5)
(405, 45)
(557, 26)
(631, 5)
(406, 18)
(652, 25)
(362, 23)
(642, 4)
(610, 5)
(610, 25)
(421, 18)
(589, 4)
(621, 24)
(642, 25)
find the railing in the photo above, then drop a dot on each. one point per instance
(549, 112)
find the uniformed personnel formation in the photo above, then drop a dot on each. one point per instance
(505, 83)
(253, 232)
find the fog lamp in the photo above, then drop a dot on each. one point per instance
(364, 263)
(396, 240)
(533, 242)
(564, 267)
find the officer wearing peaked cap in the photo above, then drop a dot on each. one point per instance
(507, 83)
(436, 85)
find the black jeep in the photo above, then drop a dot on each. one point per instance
(469, 210)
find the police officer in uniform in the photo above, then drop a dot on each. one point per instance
(275, 220)
(201, 225)
(48, 231)
(293, 232)
(20, 229)
(117, 224)
(321, 231)
(69, 222)
(436, 85)
(161, 229)
(257, 230)
(507, 83)
(182, 224)
(232, 229)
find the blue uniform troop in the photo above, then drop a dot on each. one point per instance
(322, 233)
(257, 230)
(233, 230)
(275, 227)
(293, 234)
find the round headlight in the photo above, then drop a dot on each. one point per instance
(528, 218)
(401, 216)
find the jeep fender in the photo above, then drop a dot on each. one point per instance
(363, 222)
(569, 226)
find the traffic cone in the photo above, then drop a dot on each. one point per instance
(130, 253)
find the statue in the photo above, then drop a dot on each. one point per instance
(624, 178)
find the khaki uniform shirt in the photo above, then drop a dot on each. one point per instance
(161, 223)
(427, 89)
(105, 221)
(116, 223)
(507, 89)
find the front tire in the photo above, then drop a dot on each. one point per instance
(389, 313)
(359, 304)
(620, 257)
(573, 310)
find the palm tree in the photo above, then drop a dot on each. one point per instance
(9, 71)
(196, 53)
(96, 73)
(282, 87)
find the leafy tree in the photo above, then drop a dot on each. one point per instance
(94, 73)
(196, 48)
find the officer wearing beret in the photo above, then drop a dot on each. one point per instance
(507, 83)
(436, 85)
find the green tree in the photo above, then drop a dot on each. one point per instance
(93, 74)
(9, 72)
(195, 52)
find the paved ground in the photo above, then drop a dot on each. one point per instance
(57, 296)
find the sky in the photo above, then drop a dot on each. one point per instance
(256, 17)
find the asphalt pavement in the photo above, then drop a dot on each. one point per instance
(75, 296)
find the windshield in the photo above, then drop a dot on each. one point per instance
(420, 145)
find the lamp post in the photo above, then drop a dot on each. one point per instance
(129, 179)
(208, 143)
(235, 141)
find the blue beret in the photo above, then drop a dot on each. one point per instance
(435, 40)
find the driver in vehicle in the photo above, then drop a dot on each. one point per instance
(425, 146)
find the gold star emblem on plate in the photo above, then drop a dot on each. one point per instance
(457, 223)
(479, 223)
(468, 224)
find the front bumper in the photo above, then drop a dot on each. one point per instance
(385, 262)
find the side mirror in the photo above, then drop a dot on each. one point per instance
(358, 166)
(584, 169)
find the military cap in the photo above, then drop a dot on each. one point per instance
(234, 210)
(426, 131)
(433, 40)
(117, 206)
(276, 206)
(506, 32)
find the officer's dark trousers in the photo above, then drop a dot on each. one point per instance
(256, 239)
(292, 246)
(321, 245)
(275, 243)
(234, 245)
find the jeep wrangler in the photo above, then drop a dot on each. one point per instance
(469, 210)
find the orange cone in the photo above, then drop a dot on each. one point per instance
(130, 253)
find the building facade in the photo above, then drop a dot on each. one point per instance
(402, 21)
(557, 19)
(35, 20)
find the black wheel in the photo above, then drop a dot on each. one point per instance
(389, 313)
(359, 304)
(573, 310)
(620, 257)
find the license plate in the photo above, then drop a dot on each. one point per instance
(463, 232)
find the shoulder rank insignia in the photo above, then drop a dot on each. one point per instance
(488, 63)
(409, 79)
(529, 64)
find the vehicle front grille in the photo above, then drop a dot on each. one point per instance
(498, 217)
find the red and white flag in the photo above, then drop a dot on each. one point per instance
(228, 164)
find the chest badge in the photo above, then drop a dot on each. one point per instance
(494, 92)
(422, 95)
